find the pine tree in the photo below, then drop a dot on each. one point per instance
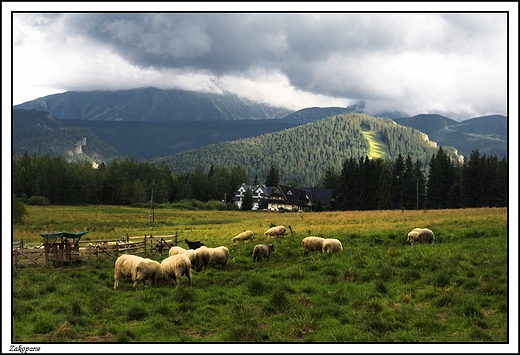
(398, 182)
(273, 177)
(247, 201)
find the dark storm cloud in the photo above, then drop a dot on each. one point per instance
(378, 58)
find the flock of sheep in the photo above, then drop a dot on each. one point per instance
(180, 261)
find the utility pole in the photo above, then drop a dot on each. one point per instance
(152, 217)
(417, 194)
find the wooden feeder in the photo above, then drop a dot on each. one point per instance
(61, 247)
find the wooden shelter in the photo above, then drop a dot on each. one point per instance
(61, 247)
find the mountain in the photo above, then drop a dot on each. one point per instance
(313, 114)
(488, 134)
(152, 104)
(41, 133)
(148, 140)
(305, 152)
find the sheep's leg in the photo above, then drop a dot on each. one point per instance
(116, 284)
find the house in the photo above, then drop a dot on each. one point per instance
(325, 197)
(259, 193)
(290, 198)
(285, 197)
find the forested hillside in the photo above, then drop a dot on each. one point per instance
(305, 152)
(151, 104)
(41, 133)
(488, 134)
(149, 140)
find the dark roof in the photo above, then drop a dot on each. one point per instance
(66, 235)
(315, 194)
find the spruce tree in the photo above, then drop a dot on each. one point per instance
(247, 201)
(273, 177)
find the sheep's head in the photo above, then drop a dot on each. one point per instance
(412, 237)
(271, 247)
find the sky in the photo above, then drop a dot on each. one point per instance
(421, 62)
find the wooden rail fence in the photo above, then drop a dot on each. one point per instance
(59, 254)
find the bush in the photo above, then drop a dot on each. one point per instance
(19, 211)
(38, 201)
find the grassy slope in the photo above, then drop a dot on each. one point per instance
(377, 290)
(377, 148)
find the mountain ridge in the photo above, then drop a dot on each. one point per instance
(152, 104)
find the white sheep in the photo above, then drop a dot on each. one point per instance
(218, 256)
(277, 231)
(421, 235)
(125, 267)
(176, 250)
(262, 251)
(175, 266)
(203, 257)
(192, 255)
(312, 244)
(245, 235)
(150, 270)
(331, 245)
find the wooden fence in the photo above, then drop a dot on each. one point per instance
(59, 254)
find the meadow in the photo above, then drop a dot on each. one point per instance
(377, 290)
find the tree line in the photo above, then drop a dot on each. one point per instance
(364, 184)
(361, 184)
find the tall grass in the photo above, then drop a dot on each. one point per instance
(377, 290)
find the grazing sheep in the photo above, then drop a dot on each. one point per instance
(218, 256)
(175, 266)
(245, 235)
(277, 231)
(192, 255)
(421, 235)
(193, 245)
(312, 244)
(262, 251)
(332, 245)
(176, 250)
(203, 257)
(150, 270)
(125, 267)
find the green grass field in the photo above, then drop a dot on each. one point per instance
(377, 290)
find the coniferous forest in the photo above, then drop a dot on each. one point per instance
(360, 184)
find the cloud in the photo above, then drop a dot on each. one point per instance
(393, 61)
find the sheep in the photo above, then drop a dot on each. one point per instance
(421, 235)
(332, 245)
(245, 235)
(218, 256)
(125, 267)
(312, 244)
(193, 245)
(176, 250)
(150, 270)
(175, 266)
(203, 257)
(262, 251)
(192, 255)
(277, 231)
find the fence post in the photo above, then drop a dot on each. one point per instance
(175, 239)
(144, 240)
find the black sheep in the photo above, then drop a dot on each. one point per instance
(193, 245)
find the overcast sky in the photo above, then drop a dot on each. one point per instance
(452, 63)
